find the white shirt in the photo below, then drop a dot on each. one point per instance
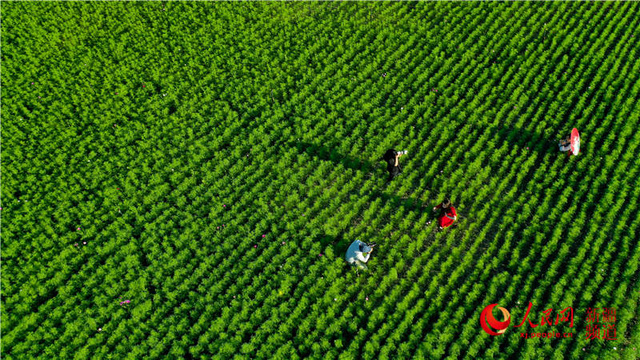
(354, 253)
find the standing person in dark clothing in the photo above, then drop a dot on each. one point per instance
(393, 166)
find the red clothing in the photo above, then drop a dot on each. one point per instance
(448, 218)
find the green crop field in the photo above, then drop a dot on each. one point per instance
(182, 180)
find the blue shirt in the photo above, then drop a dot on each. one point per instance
(354, 253)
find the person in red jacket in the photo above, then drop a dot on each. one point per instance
(447, 214)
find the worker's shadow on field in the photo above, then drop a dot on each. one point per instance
(327, 153)
(526, 139)
(537, 143)
(408, 204)
(336, 242)
(339, 244)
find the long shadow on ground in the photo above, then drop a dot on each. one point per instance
(328, 154)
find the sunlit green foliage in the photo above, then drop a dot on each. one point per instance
(211, 162)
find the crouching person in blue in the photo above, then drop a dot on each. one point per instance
(358, 254)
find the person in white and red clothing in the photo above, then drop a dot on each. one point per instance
(447, 215)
